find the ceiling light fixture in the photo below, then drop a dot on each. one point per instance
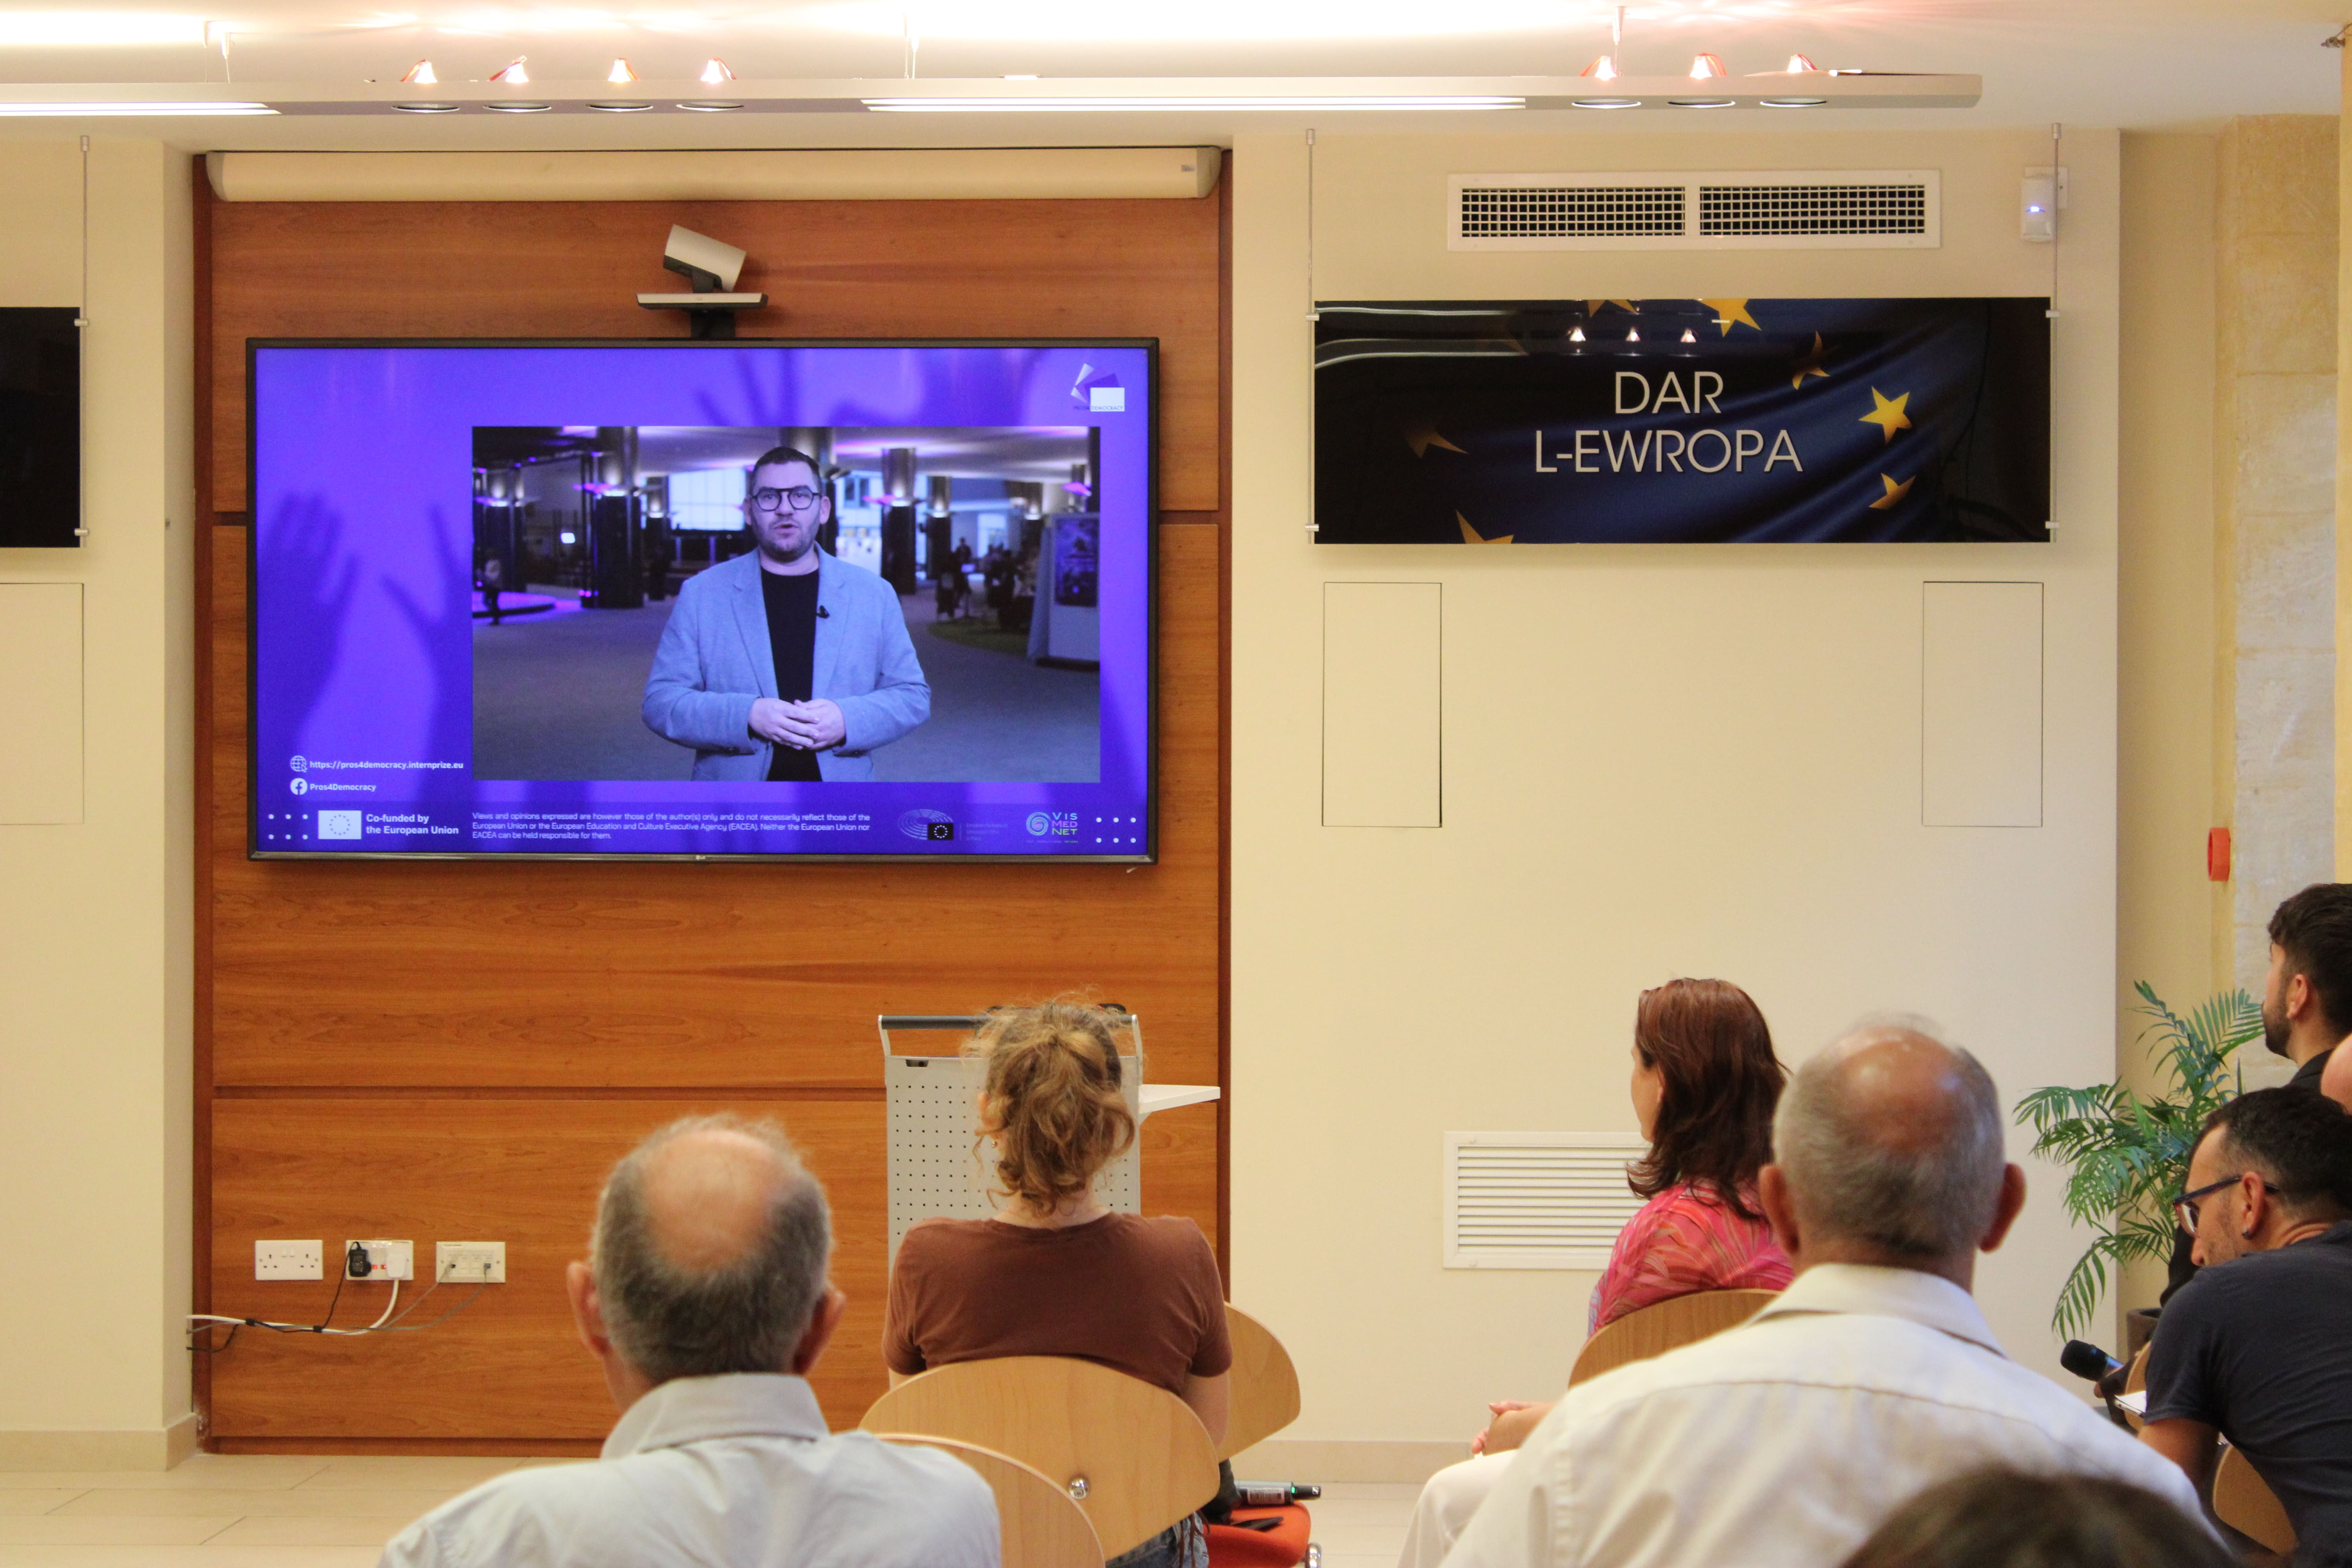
(518, 107)
(1633, 335)
(1791, 102)
(714, 71)
(1576, 334)
(1799, 65)
(1604, 68)
(420, 74)
(1607, 102)
(609, 107)
(620, 72)
(512, 72)
(1705, 67)
(944, 105)
(121, 110)
(709, 106)
(1703, 102)
(424, 107)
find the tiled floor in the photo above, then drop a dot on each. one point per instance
(286, 1512)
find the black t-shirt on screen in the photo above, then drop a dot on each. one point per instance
(792, 637)
(2261, 1347)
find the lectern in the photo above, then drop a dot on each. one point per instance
(939, 1164)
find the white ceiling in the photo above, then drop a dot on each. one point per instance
(2130, 63)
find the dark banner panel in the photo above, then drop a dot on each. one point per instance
(1682, 421)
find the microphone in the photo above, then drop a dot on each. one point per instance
(2093, 1365)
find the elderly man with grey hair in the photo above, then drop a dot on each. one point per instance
(707, 1302)
(1788, 1440)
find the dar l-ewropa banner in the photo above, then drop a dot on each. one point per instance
(1682, 421)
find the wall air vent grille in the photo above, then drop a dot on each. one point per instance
(1536, 1200)
(1812, 209)
(1539, 212)
(1748, 209)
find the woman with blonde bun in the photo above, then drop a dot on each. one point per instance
(1053, 1272)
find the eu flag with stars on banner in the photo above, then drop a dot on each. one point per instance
(1682, 421)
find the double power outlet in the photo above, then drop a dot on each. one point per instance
(457, 1262)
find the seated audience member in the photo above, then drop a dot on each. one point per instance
(707, 1301)
(1704, 1083)
(1055, 1273)
(1788, 1439)
(2255, 1348)
(2007, 1518)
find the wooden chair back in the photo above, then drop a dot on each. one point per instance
(1133, 1455)
(1041, 1525)
(1667, 1325)
(2244, 1501)
(1265, 1384)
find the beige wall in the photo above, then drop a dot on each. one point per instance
(94, 927)
(1694, 759)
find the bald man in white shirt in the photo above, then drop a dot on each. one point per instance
(1785, 1441)
(706, 1303)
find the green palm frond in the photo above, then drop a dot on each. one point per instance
(2126, 1154)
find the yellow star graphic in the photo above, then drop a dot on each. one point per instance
(1421, 437)
(1593, 307)
(1730, 313)
(1472, 536)
(1894, 492)
(1888, 415)
(1810, 364)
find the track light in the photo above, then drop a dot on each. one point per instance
(512, 72)
(1602, 69)
(714, 71)
(620, 72)
(1799, 65)
(1703, 67)
(420, 74)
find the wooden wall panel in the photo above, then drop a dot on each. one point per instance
(449, 1051)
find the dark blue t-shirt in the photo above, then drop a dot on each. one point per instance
(2261, 1347)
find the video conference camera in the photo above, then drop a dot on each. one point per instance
(711, 266)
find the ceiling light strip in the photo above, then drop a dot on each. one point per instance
(1406, 102)
(114, 111)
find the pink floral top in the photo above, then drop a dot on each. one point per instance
(1685, 1240)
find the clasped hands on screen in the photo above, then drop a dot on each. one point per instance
(810, 726)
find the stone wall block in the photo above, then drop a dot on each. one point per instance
(2285, 567)
(2286, 732)
(2283, 305)
(2282, 171)
(2286, 431)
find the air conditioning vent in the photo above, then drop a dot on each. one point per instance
(1556, 212)
(1536, 1200)
(1741, 210)
(1812, 209)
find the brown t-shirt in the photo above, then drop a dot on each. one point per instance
(1140, 1296)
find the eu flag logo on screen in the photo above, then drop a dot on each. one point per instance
(1682, 421)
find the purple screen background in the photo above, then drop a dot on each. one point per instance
(363, 629)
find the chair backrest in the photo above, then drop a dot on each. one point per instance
(1132, 1454)
(2244, 1501)
(1667, 1325)
(1265, 1384)
(1042, 1526)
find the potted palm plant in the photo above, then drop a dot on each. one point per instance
(2127, 1154)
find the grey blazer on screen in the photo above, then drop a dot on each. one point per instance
(715, 659)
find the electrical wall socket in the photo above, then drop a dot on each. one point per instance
(290, 1260)
(387, 1260)
(471, 1262)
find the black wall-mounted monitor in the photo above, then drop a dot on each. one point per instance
(41, 429)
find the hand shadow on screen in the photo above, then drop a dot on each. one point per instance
(447, 631)
(303, 583)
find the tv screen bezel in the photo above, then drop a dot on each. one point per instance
(1148, 856)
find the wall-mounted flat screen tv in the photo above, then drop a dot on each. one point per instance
(40, 428)
(702, 600)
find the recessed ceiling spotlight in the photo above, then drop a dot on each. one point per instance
(426, 108)
(714, 71)
(1800, 64)
(1703, 102)
(711, 106)
(518, 107)
(1705, 67)
(609, 107)
(1607, 102)
(421, 73)
(620, 72)
(1602, 69)
(512, 72)
(1791, 102)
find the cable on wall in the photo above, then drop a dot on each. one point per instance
(1313, 315)
(82, 365)
(2057, 240)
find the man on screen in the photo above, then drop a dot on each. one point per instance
(788, 663)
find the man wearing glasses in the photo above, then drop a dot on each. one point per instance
(788, 664)
(2255, 1347)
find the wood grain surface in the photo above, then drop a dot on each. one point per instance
(458, 1050)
